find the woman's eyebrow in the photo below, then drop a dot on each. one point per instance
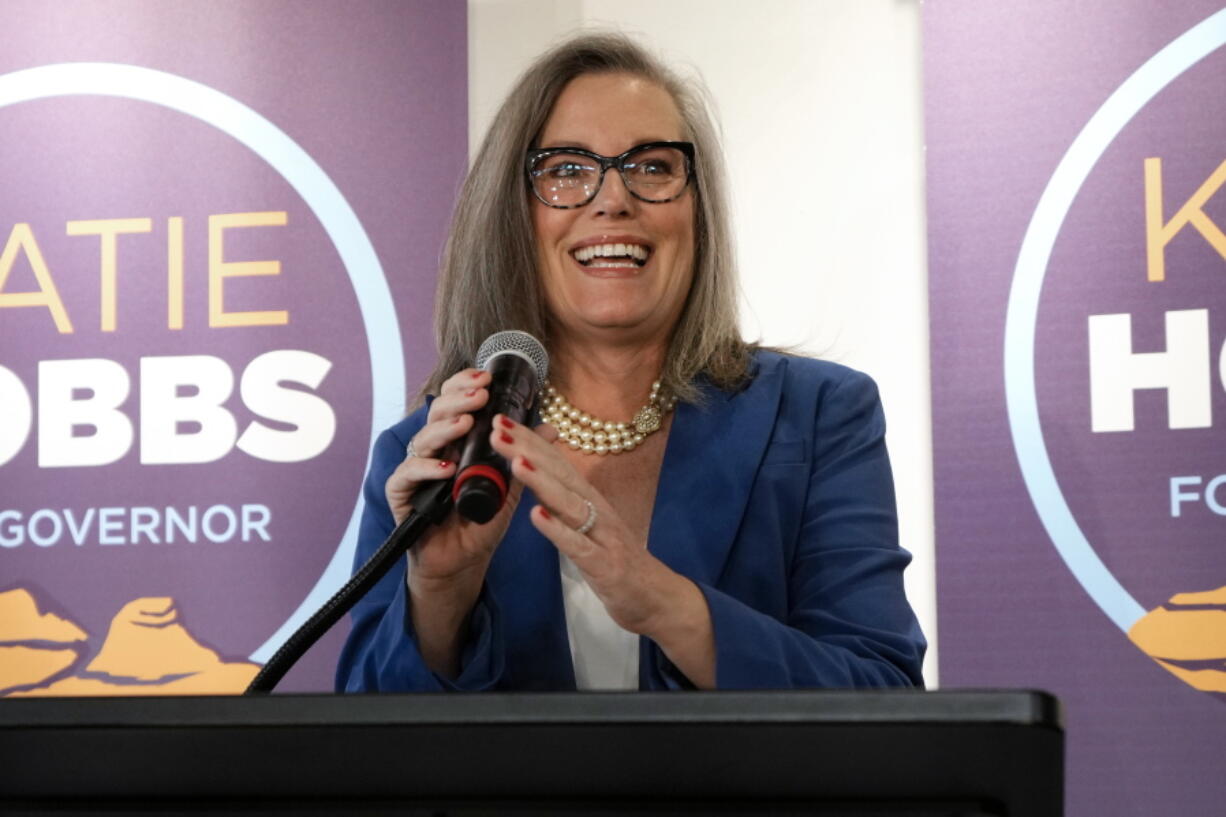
(579, 144)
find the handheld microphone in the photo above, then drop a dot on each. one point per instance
(518, 364)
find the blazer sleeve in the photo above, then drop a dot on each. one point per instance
(381, 653)
(846, 622)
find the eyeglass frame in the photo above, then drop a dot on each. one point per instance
(536, 154)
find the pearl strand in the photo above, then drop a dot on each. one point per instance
(583, 432)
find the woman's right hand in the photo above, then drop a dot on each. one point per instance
(447, 565)
(455, 549)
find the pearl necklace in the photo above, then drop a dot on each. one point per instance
(583, 432)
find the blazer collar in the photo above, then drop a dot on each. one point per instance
(712, 456)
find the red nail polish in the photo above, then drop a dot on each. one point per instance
(527, 464)
(507, 438)
(444, 464)
(506, 423)
(475, 374)
(545, 512)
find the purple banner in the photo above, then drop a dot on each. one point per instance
(1077, 270)
(220, 228)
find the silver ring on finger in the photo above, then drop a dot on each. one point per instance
(590, 522)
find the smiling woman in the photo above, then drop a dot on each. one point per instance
(610, 296)
(695, 511)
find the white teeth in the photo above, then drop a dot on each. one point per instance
(635, 251)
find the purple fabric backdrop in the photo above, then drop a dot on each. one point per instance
(1009, 87)
(376, 94)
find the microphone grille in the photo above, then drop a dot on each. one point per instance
(513, 341)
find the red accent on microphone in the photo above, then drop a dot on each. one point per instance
(480, 471)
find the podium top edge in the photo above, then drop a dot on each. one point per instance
(954, 707)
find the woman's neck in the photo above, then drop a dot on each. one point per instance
(611, 383)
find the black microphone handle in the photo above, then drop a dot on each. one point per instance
(483, 475)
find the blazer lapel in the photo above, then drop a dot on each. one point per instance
(710, 462)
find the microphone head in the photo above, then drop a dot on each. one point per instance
(515, 342)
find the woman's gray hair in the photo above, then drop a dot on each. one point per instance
(489, 281)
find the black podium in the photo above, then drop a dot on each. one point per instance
(776, 753)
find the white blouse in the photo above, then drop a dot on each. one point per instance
(605, 656)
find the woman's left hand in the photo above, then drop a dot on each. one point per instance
(637, 589)
(641, 593)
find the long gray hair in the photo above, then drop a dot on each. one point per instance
(489, 281)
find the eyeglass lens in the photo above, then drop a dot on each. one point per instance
(652, 173)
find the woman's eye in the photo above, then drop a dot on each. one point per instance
(651, 169)
(564, 168)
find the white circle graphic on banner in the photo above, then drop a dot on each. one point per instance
(1045, 225)
(320, 194)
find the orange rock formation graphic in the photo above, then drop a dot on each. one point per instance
(1187, 636)
(33, 645)
(147, 651)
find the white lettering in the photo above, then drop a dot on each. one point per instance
(18, 414)
(78, 531)
(255, 519)
(1180, 496)
(59, 413)
(164, 408)
(83, 410)
(12, 534)
(110, 526)
(262, 392)
(187, 527)
(231, 523)
(1211, 495)
(143, 522)
(47, 527)
(57, 528)
(1183, 370)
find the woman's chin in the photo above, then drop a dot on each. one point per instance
(620, 321)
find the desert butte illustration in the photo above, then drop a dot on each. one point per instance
(1187, 636)
(147, 651)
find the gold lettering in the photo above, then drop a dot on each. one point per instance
(21, 239)
(220, 269)
(1158, 235)
(109, 229)
(174, 272)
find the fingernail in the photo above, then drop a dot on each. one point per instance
(506, 423)
(507, 438)
(456, 419)
(545, 512)
(475, 374)
(527, 464)
(470, 392)
(444, 464)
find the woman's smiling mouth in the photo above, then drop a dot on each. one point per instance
(612, 255)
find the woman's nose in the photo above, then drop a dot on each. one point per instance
(613, 198)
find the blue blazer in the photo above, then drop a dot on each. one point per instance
(777, 500)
